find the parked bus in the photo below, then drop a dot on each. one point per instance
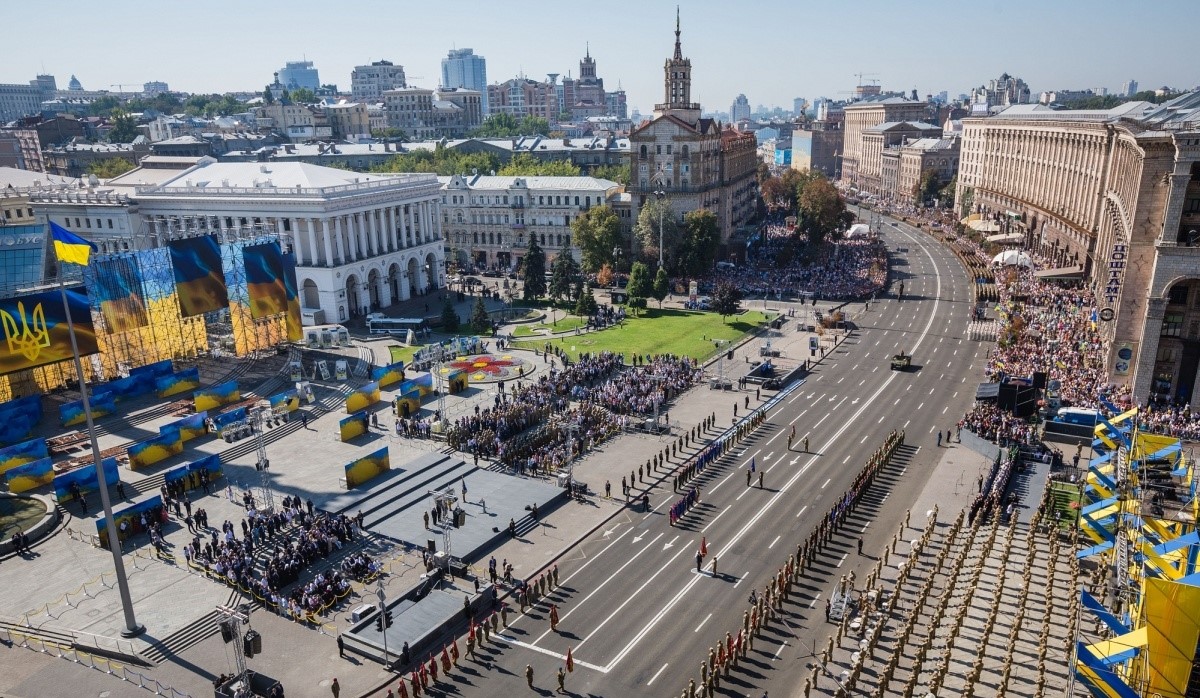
(379, 324)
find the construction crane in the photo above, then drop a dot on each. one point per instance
(860, 77)
(121, 85)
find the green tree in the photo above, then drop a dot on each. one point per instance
(391, 133)
(639, 287)
(597, 232)
(613, 173)
(945, 195)
(267, 96)
(449, 317)
(481, 322)
(585, 304)
(698, 249)
(105, 105)
(303, 95)
(662, 286)
(124, 128)
(107, 169)
(562, 272)
(534, 126)
(535, 270)
(526, 165)
(966, 201)
(821, 210)
(653, 214)
(727, 299)
(441, 161)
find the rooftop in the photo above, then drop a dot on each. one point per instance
(280, 177)
(502, 183)
(889, 125)
(1043, 112)
(14, 178)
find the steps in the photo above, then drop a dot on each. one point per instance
(189, 635)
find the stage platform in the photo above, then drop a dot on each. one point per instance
(394, 504)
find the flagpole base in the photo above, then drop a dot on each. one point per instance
(134, 631)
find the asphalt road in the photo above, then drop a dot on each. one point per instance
(638, 616)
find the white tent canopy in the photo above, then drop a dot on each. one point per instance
(1011, 258)
(858, 230)
(985, 226)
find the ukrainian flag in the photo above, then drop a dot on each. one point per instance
(69, 247)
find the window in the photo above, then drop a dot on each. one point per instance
(643, 152)
(1178, 295)
(577, 201)
(1172, 325)
(88, 222)
(658, 150)
(110, 224)
(669, 146)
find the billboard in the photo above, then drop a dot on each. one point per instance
(215, 396)
(118, 287)
(362, 398)
(85, 477)
(169, 442)
(190, 474)
(131, 515)
(191, 426)
(289, 401)
(367, 467)
(184, 381)
(71, 414)
(352, 426)
(199, 279)
(386, 375)
(264, 280)
(22, 453)
(295, 329)
(30, 475)
(35, 329)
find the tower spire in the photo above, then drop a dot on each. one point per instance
(678, 49)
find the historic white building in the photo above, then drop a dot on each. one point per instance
(361, 241)
(490, 220)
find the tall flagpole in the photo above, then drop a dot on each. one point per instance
(132, 628)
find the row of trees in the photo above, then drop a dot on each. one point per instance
(689, 249)
(502, 125)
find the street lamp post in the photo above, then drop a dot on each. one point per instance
(660, 195)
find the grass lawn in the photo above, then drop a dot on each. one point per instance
(403, 353)
(667, 331)
(563, 324)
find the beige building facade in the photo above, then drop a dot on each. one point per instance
(1114, 196)
(691, 160)
(865, 114)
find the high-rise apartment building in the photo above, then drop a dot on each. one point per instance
(462, 68)
(861, 164)
(296, 74)
(1129, 89)
(740, 109)
(369, 82)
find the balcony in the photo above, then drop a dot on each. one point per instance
(517, 204)
(518, 226)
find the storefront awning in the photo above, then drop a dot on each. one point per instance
(1007, 238)
(985, 226)
(1075, 272)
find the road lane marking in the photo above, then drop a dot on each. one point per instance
(740, 579)
(801, 511)
(839, 564)
(664, 666)
(814, 601)
(772, 545)
(602, 584)
(782, 491)
(827, 482)
(561, 657)
(780, 650)
(631, 597)
(702, 623)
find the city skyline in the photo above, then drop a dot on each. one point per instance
(883, 49)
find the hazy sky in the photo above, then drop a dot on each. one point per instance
(771, 50)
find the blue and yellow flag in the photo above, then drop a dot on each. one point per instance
(69, 247)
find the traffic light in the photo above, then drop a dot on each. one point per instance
(387, 619)
(379, 622)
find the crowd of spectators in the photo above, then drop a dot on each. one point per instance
(291, 541)
(844, 270)
(539, 426)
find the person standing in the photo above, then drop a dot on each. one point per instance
(699, 560)
(529, 675)
(341, 647)
(335, 688)
(562, 680)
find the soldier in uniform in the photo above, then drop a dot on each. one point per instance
(562, 680)
(529, 675)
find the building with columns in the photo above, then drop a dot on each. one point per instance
(1113, 196)
(361, 241)
(490, 220)
(691, 160)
